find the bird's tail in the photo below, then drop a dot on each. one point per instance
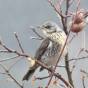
(29, 74)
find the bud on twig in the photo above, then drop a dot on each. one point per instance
(78, 21)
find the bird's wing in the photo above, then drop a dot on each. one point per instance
(41, 50)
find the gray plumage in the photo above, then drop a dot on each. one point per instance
(41, 50)
(50, 48)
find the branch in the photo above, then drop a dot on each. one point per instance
(66, 13)
(80, 58)
(40, 37)
(83, 82)
(55, 9)
(8, 50)
(7, 73)
(67, 67)
(16, 36)
(41, 78)
(9, 58)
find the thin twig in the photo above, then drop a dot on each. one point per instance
(5, 47)
(14, 64)
(72, 38)
(9, 59)
(66, 13)
(8, 50)
(33, 29)
(79, 58)
(41, 78)
(78, 4)
(67, 67)
(7, 72)
(71, 2)
(55, 8)
(16, 36)
(83, 82)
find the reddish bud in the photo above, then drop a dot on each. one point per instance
(77, 27)
(79, 17)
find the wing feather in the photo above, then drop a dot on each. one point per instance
(41, 50)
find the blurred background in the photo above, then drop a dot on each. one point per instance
(17, 16)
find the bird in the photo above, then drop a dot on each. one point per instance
(50, 48)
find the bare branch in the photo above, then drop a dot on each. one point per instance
(41, 78)
(67, 67)
(54, 74)
(7, 73)
(16, 36)
(83, 79)
(55, 8)
(9, 58)
(40, 37)
(79, 58)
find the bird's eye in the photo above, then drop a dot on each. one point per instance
(48, 26)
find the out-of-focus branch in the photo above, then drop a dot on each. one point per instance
(86, 73)
(66, 13)
(41, 78)
(67, 67)
(79, 58)
(9, 59)
(83, 79)
(8, 73)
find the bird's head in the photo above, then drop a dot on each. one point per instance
(49, 28)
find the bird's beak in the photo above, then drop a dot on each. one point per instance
(40, 27)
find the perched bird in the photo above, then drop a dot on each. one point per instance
(50, 48)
